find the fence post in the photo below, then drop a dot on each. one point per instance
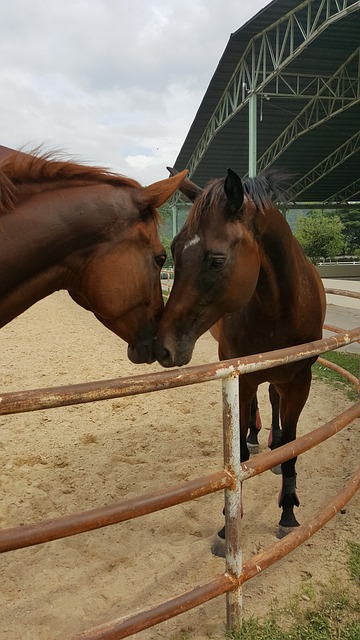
(233, 500)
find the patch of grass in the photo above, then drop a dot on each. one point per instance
(334, 616)
(348, 361)
(252, 629)
(308, 590)
(354, 561)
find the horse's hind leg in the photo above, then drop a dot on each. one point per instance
(292, 400)
(275, 430)
(254, 427)
(255, 424)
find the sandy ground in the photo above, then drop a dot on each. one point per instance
(67, 460)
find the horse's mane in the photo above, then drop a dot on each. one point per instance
(263, 190)
(19, 169)
(268, 187)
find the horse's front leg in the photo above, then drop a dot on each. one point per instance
(288, 498)
(275, 434)
(292, 401)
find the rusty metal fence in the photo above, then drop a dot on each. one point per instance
(229, 478)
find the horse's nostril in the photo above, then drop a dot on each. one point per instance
(164, 356)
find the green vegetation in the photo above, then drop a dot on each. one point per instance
(327, 234)
(331, 614)
(354, 561)
(167, 244)
(167, 230)
(351, 221)
(348, 361)
(333, 618)
(320, 236)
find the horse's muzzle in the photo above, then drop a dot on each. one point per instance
(169, 358)
(142, 353)
(164, 357)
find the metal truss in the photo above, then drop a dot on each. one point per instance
(266, 58)
(307, 85)
(333, 96)
(345, 195)
(336, 158)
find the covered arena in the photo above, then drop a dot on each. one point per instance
(285, 95)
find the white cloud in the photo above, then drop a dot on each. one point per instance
(117, 83)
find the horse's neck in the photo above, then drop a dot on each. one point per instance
(36, 240)
(25, 294)
(279, 255)
(46, 228)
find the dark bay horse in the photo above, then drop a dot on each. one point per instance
(89, 231)
(239, 267)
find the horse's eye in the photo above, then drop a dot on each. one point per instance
(160, 260)
(216, 262)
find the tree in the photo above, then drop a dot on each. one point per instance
(166, 233)
(320, 236)
(166, 227)
(351, 231)
(351, 221)
(169, 262)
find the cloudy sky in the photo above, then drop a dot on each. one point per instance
(111, 82)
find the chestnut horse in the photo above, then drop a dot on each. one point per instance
(89, 231)
(239, 267)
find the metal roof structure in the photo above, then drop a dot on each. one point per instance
(285, 95)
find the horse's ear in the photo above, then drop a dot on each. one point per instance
(234, 192)
(187, 187)
(159, 192)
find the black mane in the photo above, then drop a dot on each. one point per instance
(267, 187)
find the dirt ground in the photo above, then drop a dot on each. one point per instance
(66, 460)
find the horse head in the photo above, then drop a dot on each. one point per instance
(216, 258)
(86, 230)
(120, 281)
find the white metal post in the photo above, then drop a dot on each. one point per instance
(174, 220)
(233, 499)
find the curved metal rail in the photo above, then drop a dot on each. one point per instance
(230, 478)
(49, 398)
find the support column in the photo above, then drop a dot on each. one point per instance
(174, 220)
(252, 134)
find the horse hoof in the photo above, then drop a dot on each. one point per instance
(283, 531)
(276, 470)
(253, 448)
(218, 548)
